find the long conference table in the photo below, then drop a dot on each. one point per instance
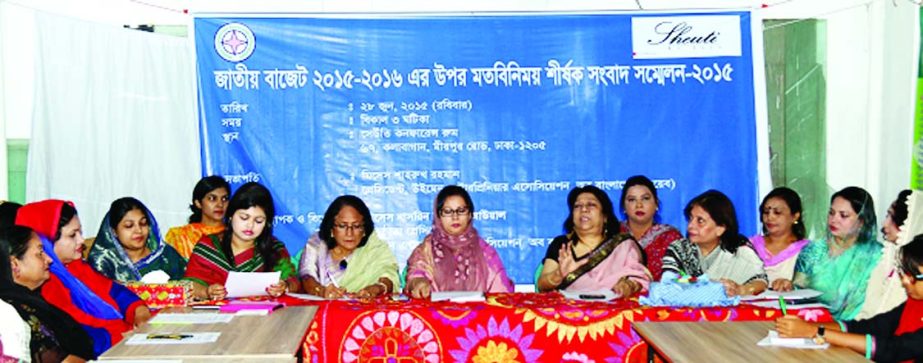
(512, 327)
(504, 327)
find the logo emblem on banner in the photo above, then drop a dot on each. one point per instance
(661, 37)
(234, 42)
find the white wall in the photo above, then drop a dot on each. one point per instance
(872, 58)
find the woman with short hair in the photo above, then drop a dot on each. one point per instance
(592, 254)
(346, 256)
(714, 246)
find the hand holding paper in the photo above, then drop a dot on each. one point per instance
(240, 284)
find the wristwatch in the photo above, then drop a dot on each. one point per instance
(819, 338)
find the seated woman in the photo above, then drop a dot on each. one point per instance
(840, 266)
(640, 204)
(346, 256)
(103, 307)
(209, 200)
(783, 236)
(592, 255)
(246, 245)
(713, 246)
(53, 336)
(892, 336)
(453, 257)
(884, 291)
(128, 245)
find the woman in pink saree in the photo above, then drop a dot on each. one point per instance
(593, 255)
(453, 257)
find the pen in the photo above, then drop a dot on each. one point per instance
(169, 336)
(782, 306)
(333, 280)
(591, 296)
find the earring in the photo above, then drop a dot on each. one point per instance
(796, 222)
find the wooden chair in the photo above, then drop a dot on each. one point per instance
(87, 244)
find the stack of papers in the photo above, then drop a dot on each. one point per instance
(773, 340)
(795, 299)
(458, 296)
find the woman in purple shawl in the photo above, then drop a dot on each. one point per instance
(453, 257)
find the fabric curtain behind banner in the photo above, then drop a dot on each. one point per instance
(518, 109)
(114, 116)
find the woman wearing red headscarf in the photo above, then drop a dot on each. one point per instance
(105, 309)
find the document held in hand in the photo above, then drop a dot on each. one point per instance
(241, 284)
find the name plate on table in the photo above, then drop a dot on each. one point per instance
(202, 318)
(458, 296)
(172, 338)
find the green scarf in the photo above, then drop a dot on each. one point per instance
(369, 263)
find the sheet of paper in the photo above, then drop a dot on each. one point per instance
(308, 297)
(241, 284)
(773, 340)
(774, 304)
(597, 295)
(195, 318)
(458, 296)
(172, 338)
(800, 294)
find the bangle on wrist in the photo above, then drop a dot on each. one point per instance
(384, 287)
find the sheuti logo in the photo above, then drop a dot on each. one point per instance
(681, 33)
(660, 37)
(234, 42)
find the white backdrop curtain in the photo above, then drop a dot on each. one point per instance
(114, 116)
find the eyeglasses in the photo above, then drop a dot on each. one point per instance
(452, 212)
(343, 227)
(915, 278)
(587, 206)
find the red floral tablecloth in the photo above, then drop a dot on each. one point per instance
(504, 328)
